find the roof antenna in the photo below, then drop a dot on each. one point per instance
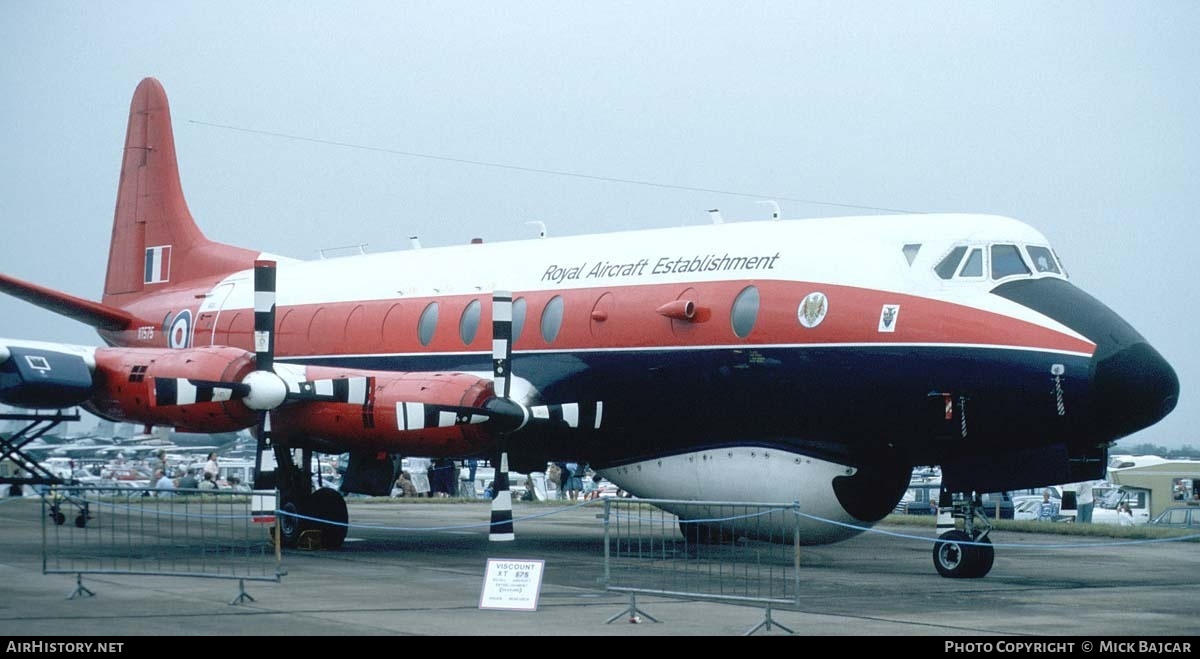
(541, 227)
(715, 215)
(774, 206)
(415, 242)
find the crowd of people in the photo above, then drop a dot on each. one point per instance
(423, 477)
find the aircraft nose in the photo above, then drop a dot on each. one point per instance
(1133, 387)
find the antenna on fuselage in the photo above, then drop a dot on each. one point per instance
(415, 242)
(774, 206)
(541, 227)
(715, 215)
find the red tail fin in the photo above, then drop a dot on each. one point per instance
(155, 241)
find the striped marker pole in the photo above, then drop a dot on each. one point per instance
(502, 517)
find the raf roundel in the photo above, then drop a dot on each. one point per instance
(813, 309)
(180, 335)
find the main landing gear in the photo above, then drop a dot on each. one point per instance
(966, 553)
(319, 515)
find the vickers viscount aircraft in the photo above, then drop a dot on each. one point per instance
(812, 361)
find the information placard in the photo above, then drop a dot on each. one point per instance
(512, 584)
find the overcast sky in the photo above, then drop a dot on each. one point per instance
(1082, 119)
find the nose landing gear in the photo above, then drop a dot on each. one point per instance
(966, 553)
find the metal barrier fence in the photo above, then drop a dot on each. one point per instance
(144, 531)
(729, 551)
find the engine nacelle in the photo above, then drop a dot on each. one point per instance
(125, 387)
(396, 418)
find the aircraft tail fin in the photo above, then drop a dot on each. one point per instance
(155, 241)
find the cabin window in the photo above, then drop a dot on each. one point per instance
(745, 311)
(518, 318)
(468, 324)
(1043, 259)
(427, 323)
(552, 317)
(949, 265)
(974, 265)
(1007, 261)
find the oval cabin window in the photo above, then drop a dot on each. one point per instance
(745, 311)
(428, 323)
(552, 317)
(468, 325)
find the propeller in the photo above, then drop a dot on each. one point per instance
(501, 529)
(262, 390)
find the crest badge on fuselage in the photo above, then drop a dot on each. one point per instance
(813, 309)
(888, 316)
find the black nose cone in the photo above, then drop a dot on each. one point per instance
(1133, 388)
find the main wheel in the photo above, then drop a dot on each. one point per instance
(81, 520)
(58, 517)
(327, 504)
(290, 526)
(952, 559)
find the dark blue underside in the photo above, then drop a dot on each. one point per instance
(835, 403)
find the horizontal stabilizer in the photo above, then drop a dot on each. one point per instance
(85, 311)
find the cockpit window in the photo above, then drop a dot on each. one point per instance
(1006, 261)
(1043, 259)
(949, 265)
(974, 265)
(1060, 264)
(910, 251)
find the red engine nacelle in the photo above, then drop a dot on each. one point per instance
(125, 380)
(377, 426)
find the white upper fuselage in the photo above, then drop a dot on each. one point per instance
(860, 252)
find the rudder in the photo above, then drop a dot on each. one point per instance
(154, 238)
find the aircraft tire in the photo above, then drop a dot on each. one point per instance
(328, 504)
(80, 520)
(58, 517)
(290, 527)
(985, 556)
(954, 560)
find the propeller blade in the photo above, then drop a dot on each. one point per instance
(334, 390)
(264, 315)
(573, 415)
(418, 416)
(502, 343)
(502, 516)
(263, 479)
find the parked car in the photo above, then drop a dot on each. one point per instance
(1183, 517)
(998, 500)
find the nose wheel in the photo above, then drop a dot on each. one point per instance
(967, 553)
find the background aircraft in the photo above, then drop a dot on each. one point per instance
(814, 361)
